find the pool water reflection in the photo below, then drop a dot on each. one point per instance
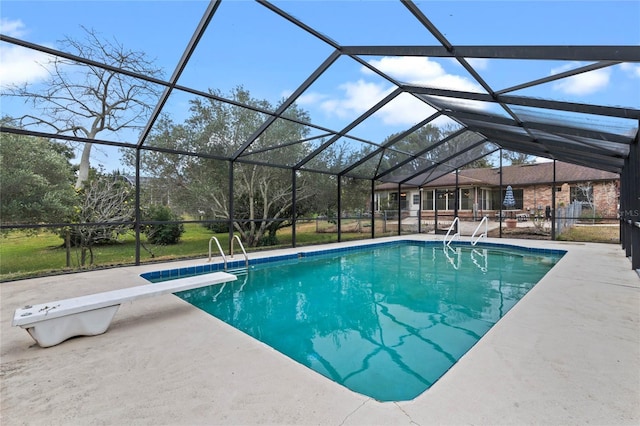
(387, 321)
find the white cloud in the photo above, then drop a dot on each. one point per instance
(12, 28)
(632, 69)
(403, 110)
(411, 69)
(423, 72)
(582, 84)
(20, 65)
(358, 96)
(311, 98)
(478, 63)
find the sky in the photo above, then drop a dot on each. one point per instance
(248, 45)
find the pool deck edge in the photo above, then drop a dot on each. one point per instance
(568, 352)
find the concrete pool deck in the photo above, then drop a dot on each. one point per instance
(567, 353)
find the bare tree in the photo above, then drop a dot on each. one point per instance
(584, 194)
(106, 211)
(611, 194)
(86, 100)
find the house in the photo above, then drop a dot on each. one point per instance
(479, 191)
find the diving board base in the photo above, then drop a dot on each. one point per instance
(57, 330)
(54, 322)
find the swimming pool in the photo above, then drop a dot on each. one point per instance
(385, 320)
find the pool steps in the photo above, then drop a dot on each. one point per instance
(224, 258)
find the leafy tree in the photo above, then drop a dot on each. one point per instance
(162, 233)
(87, 100)
(417, 141)
(481, 163)
(36, 180)
(262, 194)
(430, 137)
(324, 201)
(518, 158)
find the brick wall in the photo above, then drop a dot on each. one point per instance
(605, 197)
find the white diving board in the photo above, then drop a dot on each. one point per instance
(54, 322)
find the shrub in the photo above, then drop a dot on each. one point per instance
(268, 240)
(589, 215)
(163, 233)
(217, 227)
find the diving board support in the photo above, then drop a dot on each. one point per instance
(54, 322)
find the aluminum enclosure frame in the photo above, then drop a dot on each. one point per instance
(549, 137)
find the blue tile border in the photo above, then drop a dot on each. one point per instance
(235, 264)
(556, 252)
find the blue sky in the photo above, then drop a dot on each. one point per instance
(248, 45)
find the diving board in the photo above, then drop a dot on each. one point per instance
(54, 322)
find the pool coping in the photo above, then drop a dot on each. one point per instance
(202, 296)
(568, 352)
(235, 265)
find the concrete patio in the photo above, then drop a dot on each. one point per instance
(567, 353)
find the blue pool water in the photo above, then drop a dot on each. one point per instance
(385, 320)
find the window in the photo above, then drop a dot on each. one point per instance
(427, 200)
(466, 198)
(403, 201)
(485, 199)
(416, 199)
(445, 199)
(582, 193)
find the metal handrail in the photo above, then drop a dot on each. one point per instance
(220, 249)
(483, 255)
(246, 258)
(457, 234)
(457, 251)
(484, 220)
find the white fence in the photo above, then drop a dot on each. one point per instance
(567, 216)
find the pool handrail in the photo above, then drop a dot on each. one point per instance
(483, 255)
(484, 220)
(457, 234)
(456, 251)
(246, 258)
(224, 259)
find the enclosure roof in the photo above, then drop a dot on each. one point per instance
(517, 175)
(509, 82)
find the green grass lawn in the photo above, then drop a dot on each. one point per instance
(24, 256)
(593, 234)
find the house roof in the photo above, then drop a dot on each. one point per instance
(519, 175)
